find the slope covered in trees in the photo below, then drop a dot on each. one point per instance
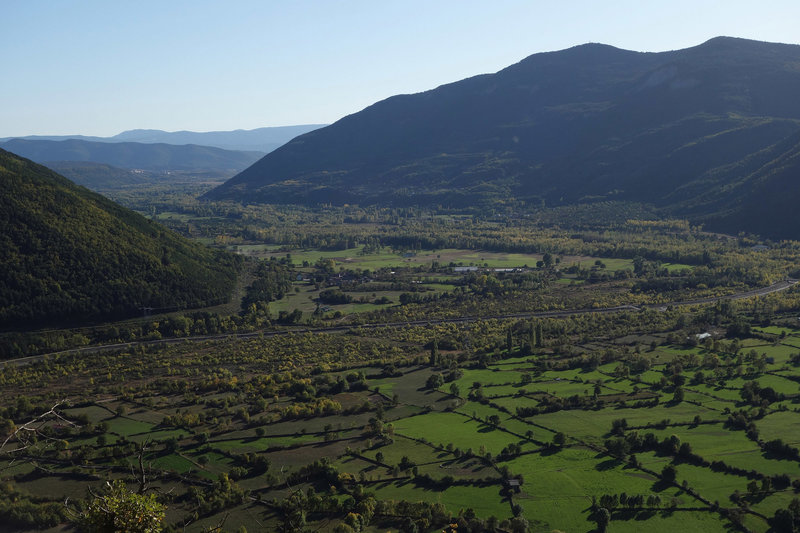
(693, 131)
(98, 176)
(70, 255)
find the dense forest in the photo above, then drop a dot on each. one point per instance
(70, 255)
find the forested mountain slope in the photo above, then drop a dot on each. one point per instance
(687, 130)
(70, 255)
(99, 176)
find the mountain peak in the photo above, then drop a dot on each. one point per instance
(726, 41)
(586, 53)
(591, 121)
(594, 48)
(724, 44)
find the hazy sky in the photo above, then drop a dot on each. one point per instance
(98, 67)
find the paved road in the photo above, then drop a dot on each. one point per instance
(110, 348)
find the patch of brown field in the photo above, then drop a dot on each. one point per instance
(295, 457)
(468, 470)
(641, 475)
(352, 399)
(146, 415)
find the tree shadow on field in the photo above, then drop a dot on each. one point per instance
(608, 464)
(660, 486)
(639, 515)
(549, 450)
(757, 497)
(645, 515)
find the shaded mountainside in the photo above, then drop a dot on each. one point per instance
(133, 155)
(71, 256)
(758, 193)
(259, 139)
(692, 131)
(98, 176)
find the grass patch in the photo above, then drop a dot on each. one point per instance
(485, 501)
(558, 487)
(126, 426)
(445, 428)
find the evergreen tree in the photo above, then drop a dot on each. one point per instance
(539, 340)
(435, 356)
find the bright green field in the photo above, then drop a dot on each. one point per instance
(402, 447)
(558, 487)
(518, 427)
(595, 425)
(352, 258)
(488, 377)
(715, 443)
(174, 462)
(445, 428)
(783, 425)
(683, 521)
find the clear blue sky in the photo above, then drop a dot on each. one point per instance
(98, 67)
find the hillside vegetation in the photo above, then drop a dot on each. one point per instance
(70, 255)
(99, 176)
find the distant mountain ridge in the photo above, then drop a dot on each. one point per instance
(131, 155)
(698, 132)
(260, 139)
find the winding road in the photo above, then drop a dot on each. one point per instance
(111, 348)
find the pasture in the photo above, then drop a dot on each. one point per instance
(546, 436)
